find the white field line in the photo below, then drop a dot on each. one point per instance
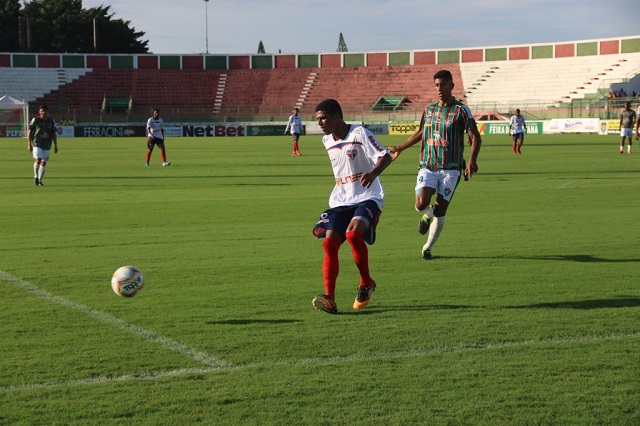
(319, 361)
(115, 322)
(216, 365)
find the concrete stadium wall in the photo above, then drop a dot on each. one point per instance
(324, 60)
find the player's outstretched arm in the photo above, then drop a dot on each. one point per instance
(412, 140)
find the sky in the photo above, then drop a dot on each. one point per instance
(304, 26)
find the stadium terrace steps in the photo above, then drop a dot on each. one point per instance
(146, 87)
(361, 87)
(544, 81)
(30, 84)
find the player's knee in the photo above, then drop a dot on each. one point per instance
(330, 245)
(440, 210)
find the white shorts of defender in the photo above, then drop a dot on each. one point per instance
(444, 182)
(626, 133)
(40, 153)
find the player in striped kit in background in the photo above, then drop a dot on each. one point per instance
(442, 136)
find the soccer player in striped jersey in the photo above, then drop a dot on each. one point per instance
(442, 136)
(355, 204)
(295, 123)
(155, 136)
(517, 129)
(42, 134)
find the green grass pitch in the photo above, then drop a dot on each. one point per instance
(529, 313)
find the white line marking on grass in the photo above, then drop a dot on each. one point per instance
(106, 379)
(319, 361)
(115, 322)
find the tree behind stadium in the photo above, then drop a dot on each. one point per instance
(56, 26)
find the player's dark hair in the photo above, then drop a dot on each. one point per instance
(444, 75)
(156, 110)
(330, 106)
(44, 107)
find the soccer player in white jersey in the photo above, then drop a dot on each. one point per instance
(295, 124)
(627, 121)
(517, 129)
(155, 136)
(355, 203)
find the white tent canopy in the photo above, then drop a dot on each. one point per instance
(7, 100)
(14, 116)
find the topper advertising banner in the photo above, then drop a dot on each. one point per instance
(403, 128)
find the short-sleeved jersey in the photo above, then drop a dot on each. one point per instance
(156, 126)
(295, 123)
(516, 124)
(352, 157)
(443, 135)
(627, 118)
(42, 131)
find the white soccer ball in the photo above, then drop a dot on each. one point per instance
(127, 281)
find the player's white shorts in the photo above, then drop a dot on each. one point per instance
(444, 182)
(624, 132)
(40, 153)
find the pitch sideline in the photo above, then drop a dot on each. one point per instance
(150, 336)
(217, 365)
(317, 361)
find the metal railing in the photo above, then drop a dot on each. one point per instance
(602, 108)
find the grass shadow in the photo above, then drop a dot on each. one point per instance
(619, 302)
(252, 321)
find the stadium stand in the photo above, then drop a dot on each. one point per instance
(355, 87)
(29, 84)
(543, 82)
(491, 80)
(361, 87)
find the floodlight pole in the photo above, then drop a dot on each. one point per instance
(206, 20)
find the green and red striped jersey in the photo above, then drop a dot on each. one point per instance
(443, 135)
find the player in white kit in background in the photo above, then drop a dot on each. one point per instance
(295, 124)
(155, 136)
(517, 129)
